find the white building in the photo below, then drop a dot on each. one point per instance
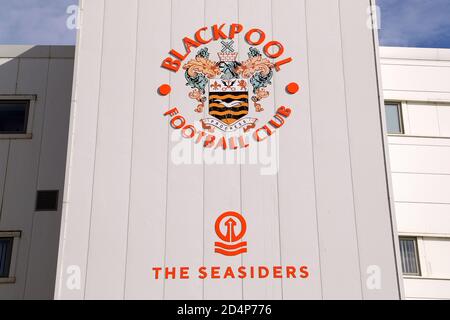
(131, 207)
(417, 92)
(133, 203)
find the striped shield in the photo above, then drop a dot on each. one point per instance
(228, 99)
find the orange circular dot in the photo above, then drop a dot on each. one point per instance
(292, 88)
(164, 89)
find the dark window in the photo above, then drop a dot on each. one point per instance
(410, 256)
(47, 200)
(5, 256)
(14, 116)
(394, 121)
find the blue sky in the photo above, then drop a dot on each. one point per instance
(413, 23)
(35, 22)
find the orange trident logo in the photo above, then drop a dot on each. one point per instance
(231, 245)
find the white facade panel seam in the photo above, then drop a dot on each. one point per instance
(349, 147)
(384, 141)
(313, 152)
(68, 173)
(203, 183)
(95, 152)
(168, 158)
(240, 168)
(132, 145)
(280, 244)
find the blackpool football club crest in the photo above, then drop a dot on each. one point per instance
(224, 87)
(228, 92)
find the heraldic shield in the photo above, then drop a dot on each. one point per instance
(228, 100)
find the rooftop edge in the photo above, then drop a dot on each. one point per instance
(45, 52)
(407, 53)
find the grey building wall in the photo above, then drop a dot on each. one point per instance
(129, 207)
(34, 163)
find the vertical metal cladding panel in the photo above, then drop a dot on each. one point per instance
(184, 213)
(325, 207)
(110, 195)
(146, 226)
(259, 188)
(340, 268)
(75, 225)
(220, 197)
(375, 229)
(297, 203)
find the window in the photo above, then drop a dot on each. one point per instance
(9, 243)
(394, 121)
(409, 256)
(6, 245)
(14, 116)
(47, 200)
